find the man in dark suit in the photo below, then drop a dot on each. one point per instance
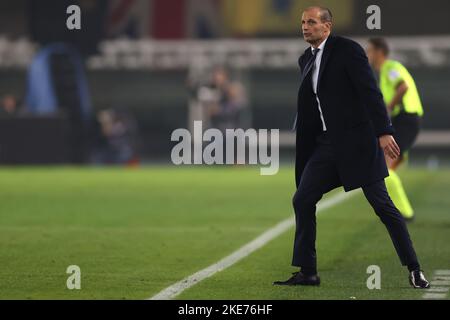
(343, 132)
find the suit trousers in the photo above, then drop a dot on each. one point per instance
(321, 176)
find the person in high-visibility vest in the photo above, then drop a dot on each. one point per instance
(405, 107)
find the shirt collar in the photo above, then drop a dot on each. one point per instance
(321, 47)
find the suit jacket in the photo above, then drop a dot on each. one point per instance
(353, 110)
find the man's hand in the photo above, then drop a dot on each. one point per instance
(389, 146)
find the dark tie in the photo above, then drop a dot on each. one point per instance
(311, 65)
(309, 69)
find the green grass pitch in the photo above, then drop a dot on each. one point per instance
(133, 232)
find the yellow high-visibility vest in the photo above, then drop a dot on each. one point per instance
(392, 73)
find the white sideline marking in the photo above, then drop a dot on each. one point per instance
(440, 283)
(439, 286)
(438, 290)
(434, 296)
(177, 288)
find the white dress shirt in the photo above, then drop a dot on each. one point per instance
(315, 78)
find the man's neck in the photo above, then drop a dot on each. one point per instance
(380, 65)
(319, 42)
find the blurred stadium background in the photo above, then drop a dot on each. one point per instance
(143, 63)
(114, 91)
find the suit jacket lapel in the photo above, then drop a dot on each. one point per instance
(325, 57)
(303, 63)
(308, 56)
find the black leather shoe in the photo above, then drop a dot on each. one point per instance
(299, 279)
(418, 281)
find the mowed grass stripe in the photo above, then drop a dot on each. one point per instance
(132, 232)
(349, 240)
(274, 232)
(135, 232)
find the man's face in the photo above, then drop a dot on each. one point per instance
(220, 77)
(9, 103)
(314, 30)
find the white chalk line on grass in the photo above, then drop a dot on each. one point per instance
(440, 286)
(177, 288)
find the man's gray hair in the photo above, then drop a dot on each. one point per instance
(325, 14)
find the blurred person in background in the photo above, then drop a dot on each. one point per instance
(231, 99)
(405, 108)
(223, 100)
(10, 106)
(117, 138)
